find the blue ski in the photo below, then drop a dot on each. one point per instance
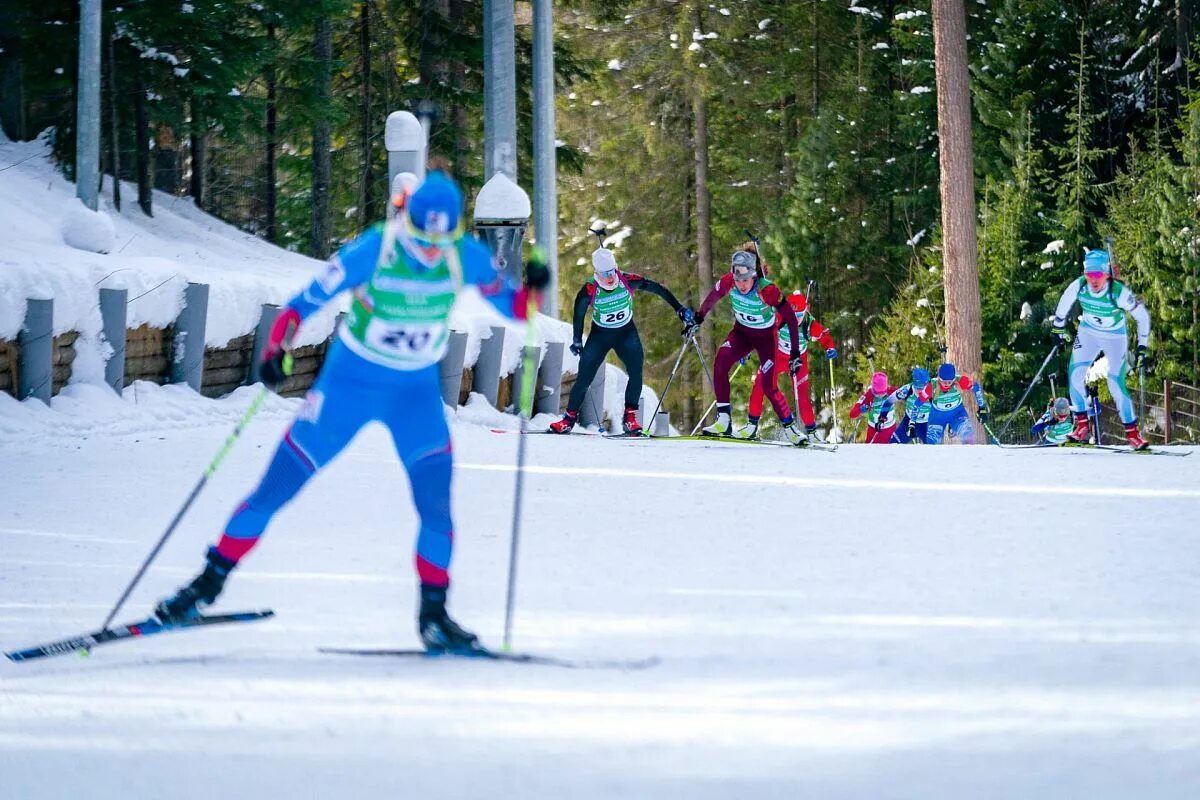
(147, 627)
(498, 655)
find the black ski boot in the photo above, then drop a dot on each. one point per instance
(439, 633)
(201, 592)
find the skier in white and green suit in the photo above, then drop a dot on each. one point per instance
(1103, 303)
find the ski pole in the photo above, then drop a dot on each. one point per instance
(670, 379)
(525, 410)
(833, 401)
(1032, 383)
(703, 365)
(713, 404)
(208, 473)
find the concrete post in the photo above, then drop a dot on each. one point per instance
(266, 319)
(36, 343)
(550, 378)
(112, 313)
(662, 424)
(500, 100)
(487, 366)
(592, 412)
(187, 349)
(519, 376)
(87, 105)
(501, 216)
(406, 144)
(451, 367)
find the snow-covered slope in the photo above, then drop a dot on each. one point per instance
(880, 622)
(155, 258)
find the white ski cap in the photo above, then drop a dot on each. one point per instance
(603, 260)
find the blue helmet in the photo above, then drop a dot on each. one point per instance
(1096, 263)
(435, 209)
(920, 377)
(946, 372)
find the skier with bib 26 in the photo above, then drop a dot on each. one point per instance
(948, 412)
(609, 293)
(810, 330)
(756, 300)
(382, 366)
(1103, 303)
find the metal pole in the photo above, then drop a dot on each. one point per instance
(545, 196)
(500, 61)
(87, 106)
(671, 378)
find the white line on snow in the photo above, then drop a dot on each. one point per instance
(850, 483)
(70, 536)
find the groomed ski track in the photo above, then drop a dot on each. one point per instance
(874, 623)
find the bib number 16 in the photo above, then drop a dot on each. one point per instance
(750, 319)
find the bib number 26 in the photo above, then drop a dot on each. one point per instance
(615, 317)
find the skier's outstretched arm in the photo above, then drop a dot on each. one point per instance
(1130, 302)
(350, 266)
(642, 283)
(720, 290)
(502, 292)
(583, 299)
(773, 297)
(1068, 298)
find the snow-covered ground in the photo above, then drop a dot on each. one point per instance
(880, 622)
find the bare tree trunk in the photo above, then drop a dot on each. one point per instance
(704, 262)
(114, 136)
(957, 185)
(322, 163)
(704, 258)
(197, 136)
(141, 134)
(366, 200)
(271, 180)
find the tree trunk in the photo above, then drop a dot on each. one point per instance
(114, 135)
(366, 200)
(199, 156)
(957, 185)
(322, 166)
(141, 134)
(271, 180)
(704, 263)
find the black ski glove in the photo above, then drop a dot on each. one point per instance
(537, 274)
(276, 369)
(795, 363)
(1141, 358)
(576, 348)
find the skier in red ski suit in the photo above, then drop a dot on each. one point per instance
(810, 330)
(880, 426)
(756, 303)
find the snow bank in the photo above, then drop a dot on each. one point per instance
(153, 258)
(88, 230)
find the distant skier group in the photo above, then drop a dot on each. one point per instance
(928, 409)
